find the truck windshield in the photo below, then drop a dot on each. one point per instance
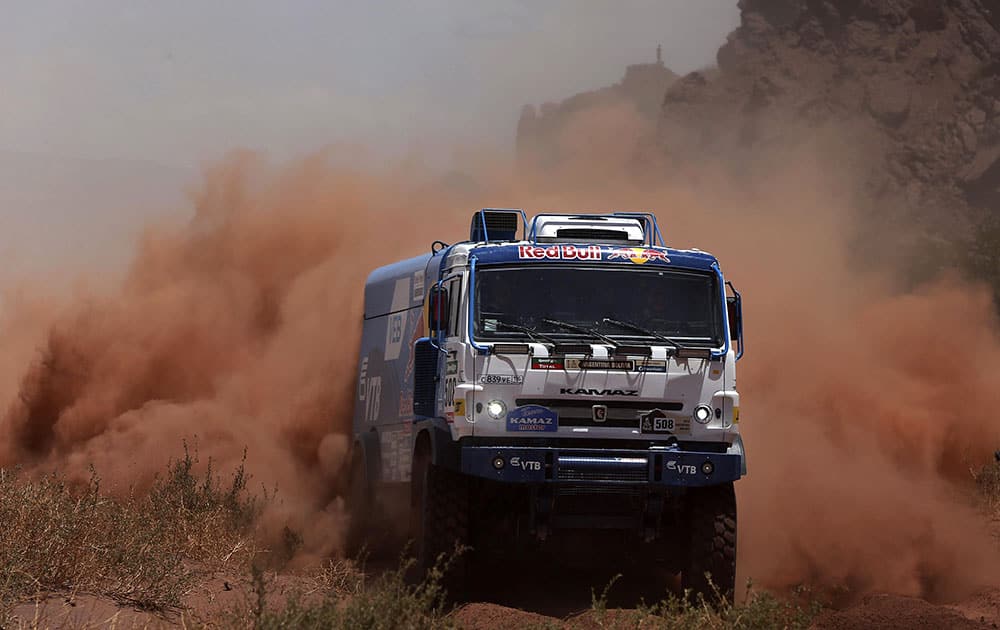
(681, 305)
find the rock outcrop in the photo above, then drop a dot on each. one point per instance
(539, 129)
(914, 83)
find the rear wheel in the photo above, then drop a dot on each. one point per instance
(441, 519)
(711, 536)
(358, 502)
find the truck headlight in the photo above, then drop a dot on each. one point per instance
(702, 413)
(496, 409)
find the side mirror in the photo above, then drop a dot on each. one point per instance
(735, 312)
(437, 309)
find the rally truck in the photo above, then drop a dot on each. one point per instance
(572, 374)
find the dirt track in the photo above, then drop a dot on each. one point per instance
(532, 603)
(563, 597)
(874, 611)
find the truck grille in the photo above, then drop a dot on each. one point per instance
(569, 490)
(570, 474)
(592, 468)
(578, 413)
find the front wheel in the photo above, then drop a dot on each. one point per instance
(711, 536)
(441, 504)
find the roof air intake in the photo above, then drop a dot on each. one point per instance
(494, 224)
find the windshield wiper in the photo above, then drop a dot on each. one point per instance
(644, 331)
(589, 331)
(531, 332)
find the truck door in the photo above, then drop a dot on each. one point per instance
(452, 349)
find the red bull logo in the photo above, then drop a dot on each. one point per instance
(559, 252)
(638, 255)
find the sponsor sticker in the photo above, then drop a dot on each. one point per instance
(414, 324)
(418, 286)
(638, 255)
(532, 419)
(394, 323)
(501, 379)
(394, 454)
(369, 393)
(627, 365)
(547, 364)
(680, 468)
(651, 366)
(559, 252)
(526, 464)
(460, 407)
(599, 364)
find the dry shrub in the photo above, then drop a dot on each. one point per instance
(759, 610)
(145, 549)
(388, 601)
(988, 484)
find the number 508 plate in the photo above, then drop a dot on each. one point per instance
(658, 422)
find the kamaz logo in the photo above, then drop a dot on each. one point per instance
(599, 392)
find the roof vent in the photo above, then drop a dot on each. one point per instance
(592, 228)
(495, 224)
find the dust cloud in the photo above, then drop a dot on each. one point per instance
(863, 405)
(236, 331)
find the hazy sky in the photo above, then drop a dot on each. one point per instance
(108, 108)
(182, 81)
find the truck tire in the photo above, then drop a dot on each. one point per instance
(358, 503)
(442, 522)
(711, 543)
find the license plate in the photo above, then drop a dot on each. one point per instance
(654, 423)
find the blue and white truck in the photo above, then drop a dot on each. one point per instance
(546, 378)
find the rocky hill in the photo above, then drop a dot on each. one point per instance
(539, 129)
(916, 81)
(905, 94)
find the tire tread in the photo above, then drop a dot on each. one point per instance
(446, 521)
(711, 517)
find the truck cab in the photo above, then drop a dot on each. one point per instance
(564, 375)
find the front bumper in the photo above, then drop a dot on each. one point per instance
(653, 467)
